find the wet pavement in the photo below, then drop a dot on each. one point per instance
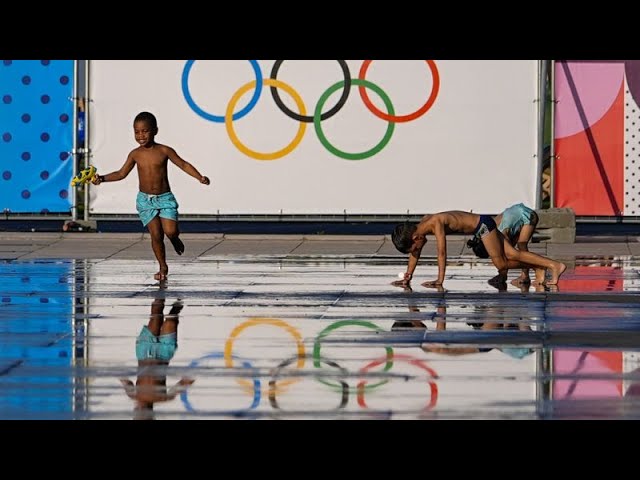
(294, 327)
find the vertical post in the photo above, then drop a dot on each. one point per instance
(87, 136)
(544, 369)
(543, 68)
(74, 145)
(544, 384)
(552, 112)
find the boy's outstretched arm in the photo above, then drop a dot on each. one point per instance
(419, 241)
(118, 174)
(180, 387)
(411, 266)
(186, 166)
(441, 245)
(129, 387)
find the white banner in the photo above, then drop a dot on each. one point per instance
(408, 136)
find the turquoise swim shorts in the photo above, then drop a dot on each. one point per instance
(164, 205)
(514, 218)
(162, 347)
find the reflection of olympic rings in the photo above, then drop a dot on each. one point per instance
(228, 358)
(344, 399)
(433, 387)
(344, 323)
(318, 115)
(245, 364)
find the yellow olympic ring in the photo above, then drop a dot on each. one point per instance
(228, 359)
(228, 120)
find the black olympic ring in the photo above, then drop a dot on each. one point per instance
(276, 372)
(306, 118)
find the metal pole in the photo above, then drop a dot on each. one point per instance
(87, 136)
(74, 145)
(543, 66)
(552, 152)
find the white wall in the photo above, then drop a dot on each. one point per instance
(472, 150)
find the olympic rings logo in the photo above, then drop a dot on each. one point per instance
(345, 323)
(319, 115)
(273, 322)
(336, 377)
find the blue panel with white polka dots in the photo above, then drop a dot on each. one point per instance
(36, 136)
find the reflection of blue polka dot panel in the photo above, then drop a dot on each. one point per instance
(36, 338)
(36, 135)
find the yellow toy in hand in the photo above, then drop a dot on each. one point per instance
(85, 176)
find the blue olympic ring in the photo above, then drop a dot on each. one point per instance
(217, 118)
(257, 395)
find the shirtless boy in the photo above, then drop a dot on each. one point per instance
(411, 238)
(156, 204)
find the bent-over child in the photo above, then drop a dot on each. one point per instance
(410, 238)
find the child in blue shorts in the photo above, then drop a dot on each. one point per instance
(155, 347)
(156, 204)
(518, 224)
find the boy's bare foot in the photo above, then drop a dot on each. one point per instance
(521, 281)
(177, 245)
(540, 276)
(557, 270)
(161, 276)
(525, 287)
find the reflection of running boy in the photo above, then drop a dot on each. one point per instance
(156, 204)
(155, 347)
(411, 238)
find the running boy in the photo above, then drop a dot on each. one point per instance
(411, 238)
(156, 204)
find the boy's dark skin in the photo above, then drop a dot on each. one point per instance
(455, 221)
(151, 159)
(151, 387)
(521, 243)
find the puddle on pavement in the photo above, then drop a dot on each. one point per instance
(315, 338)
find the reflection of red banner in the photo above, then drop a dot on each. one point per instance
(593, 279)
(590, 138)
(588, 279)
(584, 364)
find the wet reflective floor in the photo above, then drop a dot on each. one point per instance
(316, 337)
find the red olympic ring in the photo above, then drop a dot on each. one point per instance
(435, 88)
(433, 398)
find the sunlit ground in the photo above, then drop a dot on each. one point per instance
(314, 338)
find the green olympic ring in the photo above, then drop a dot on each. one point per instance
(317, 359)
(323, 139)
